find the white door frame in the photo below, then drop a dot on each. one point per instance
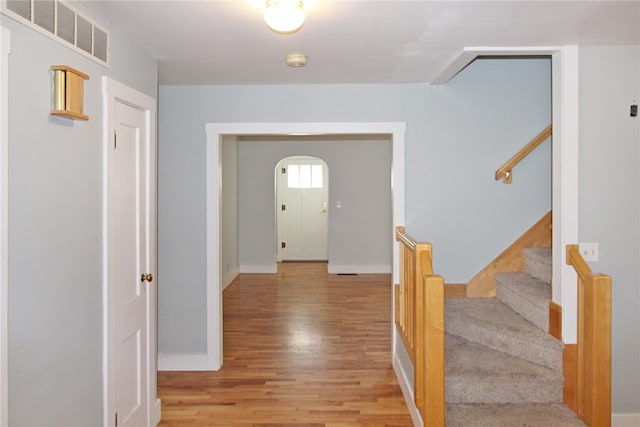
(565, 106)
(214, 132)
(5, 49)
(113, 92)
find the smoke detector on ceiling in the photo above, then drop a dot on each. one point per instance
(296, 60)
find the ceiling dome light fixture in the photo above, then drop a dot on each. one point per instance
(284, 16)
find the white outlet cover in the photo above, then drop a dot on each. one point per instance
(590, 251)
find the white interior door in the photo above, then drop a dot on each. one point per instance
(129, 265)
(302, 206)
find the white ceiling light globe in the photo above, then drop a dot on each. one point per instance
(284, 16)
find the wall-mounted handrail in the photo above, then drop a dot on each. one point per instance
(419, 308)
(593, 376)
(505, 171)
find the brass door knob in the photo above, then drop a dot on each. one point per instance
(146, 278)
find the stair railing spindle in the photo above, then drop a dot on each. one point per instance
(421, 295)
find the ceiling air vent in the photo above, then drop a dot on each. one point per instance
(60, 21)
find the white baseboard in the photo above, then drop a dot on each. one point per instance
(230, 278)
(625, 420)
(156, 413)
(359, 269)
(259, 269)
(182, 362)
(407, 392)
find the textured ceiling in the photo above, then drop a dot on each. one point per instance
(226, 42)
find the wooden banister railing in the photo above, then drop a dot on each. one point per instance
(419, 308)
(593, 367)
(505, 171)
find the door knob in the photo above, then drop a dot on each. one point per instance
(146, 278)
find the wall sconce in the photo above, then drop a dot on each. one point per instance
(68, 86)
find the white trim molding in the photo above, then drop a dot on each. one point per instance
(565, 95)
(182, 362)
(259, 269)
(625, 420)
(231, 276)
(407, 391)
(358, 269)
(214, 133)
(5, 48)
(156, 412)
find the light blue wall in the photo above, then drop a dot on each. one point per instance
(609, 199)
(183, 113)
(457, 136)
(475, 123)
(55, 231)
(229, 252)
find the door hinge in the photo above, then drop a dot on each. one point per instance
(116, 419)
(283, 207)
(284, 170)
(115, 140)
(283, 245)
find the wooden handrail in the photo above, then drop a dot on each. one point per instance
(593, 376)
(505, 171)
(419, 308)
(578, 263)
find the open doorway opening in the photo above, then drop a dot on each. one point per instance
(302, 194)
(215, 134)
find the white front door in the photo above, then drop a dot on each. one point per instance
(302, 206)
(130, 263)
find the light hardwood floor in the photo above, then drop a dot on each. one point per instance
(301, 347)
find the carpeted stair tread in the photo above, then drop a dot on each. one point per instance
(537, 262)
(477, 374)
(490, 322)
(510, 415)
(526, 295)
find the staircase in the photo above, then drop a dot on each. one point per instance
(502, 366)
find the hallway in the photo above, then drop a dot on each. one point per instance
(300, 347)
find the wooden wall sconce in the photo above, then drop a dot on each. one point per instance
(68, 85)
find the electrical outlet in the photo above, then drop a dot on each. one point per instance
(589, 251)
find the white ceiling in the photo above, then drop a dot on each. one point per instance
(226, 42)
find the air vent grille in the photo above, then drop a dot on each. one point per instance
(20, 7)
(66, 24)
(57, 19)
(84, 36)
(44, 15)
(100, 43)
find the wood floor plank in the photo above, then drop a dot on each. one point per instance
(301, 347)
